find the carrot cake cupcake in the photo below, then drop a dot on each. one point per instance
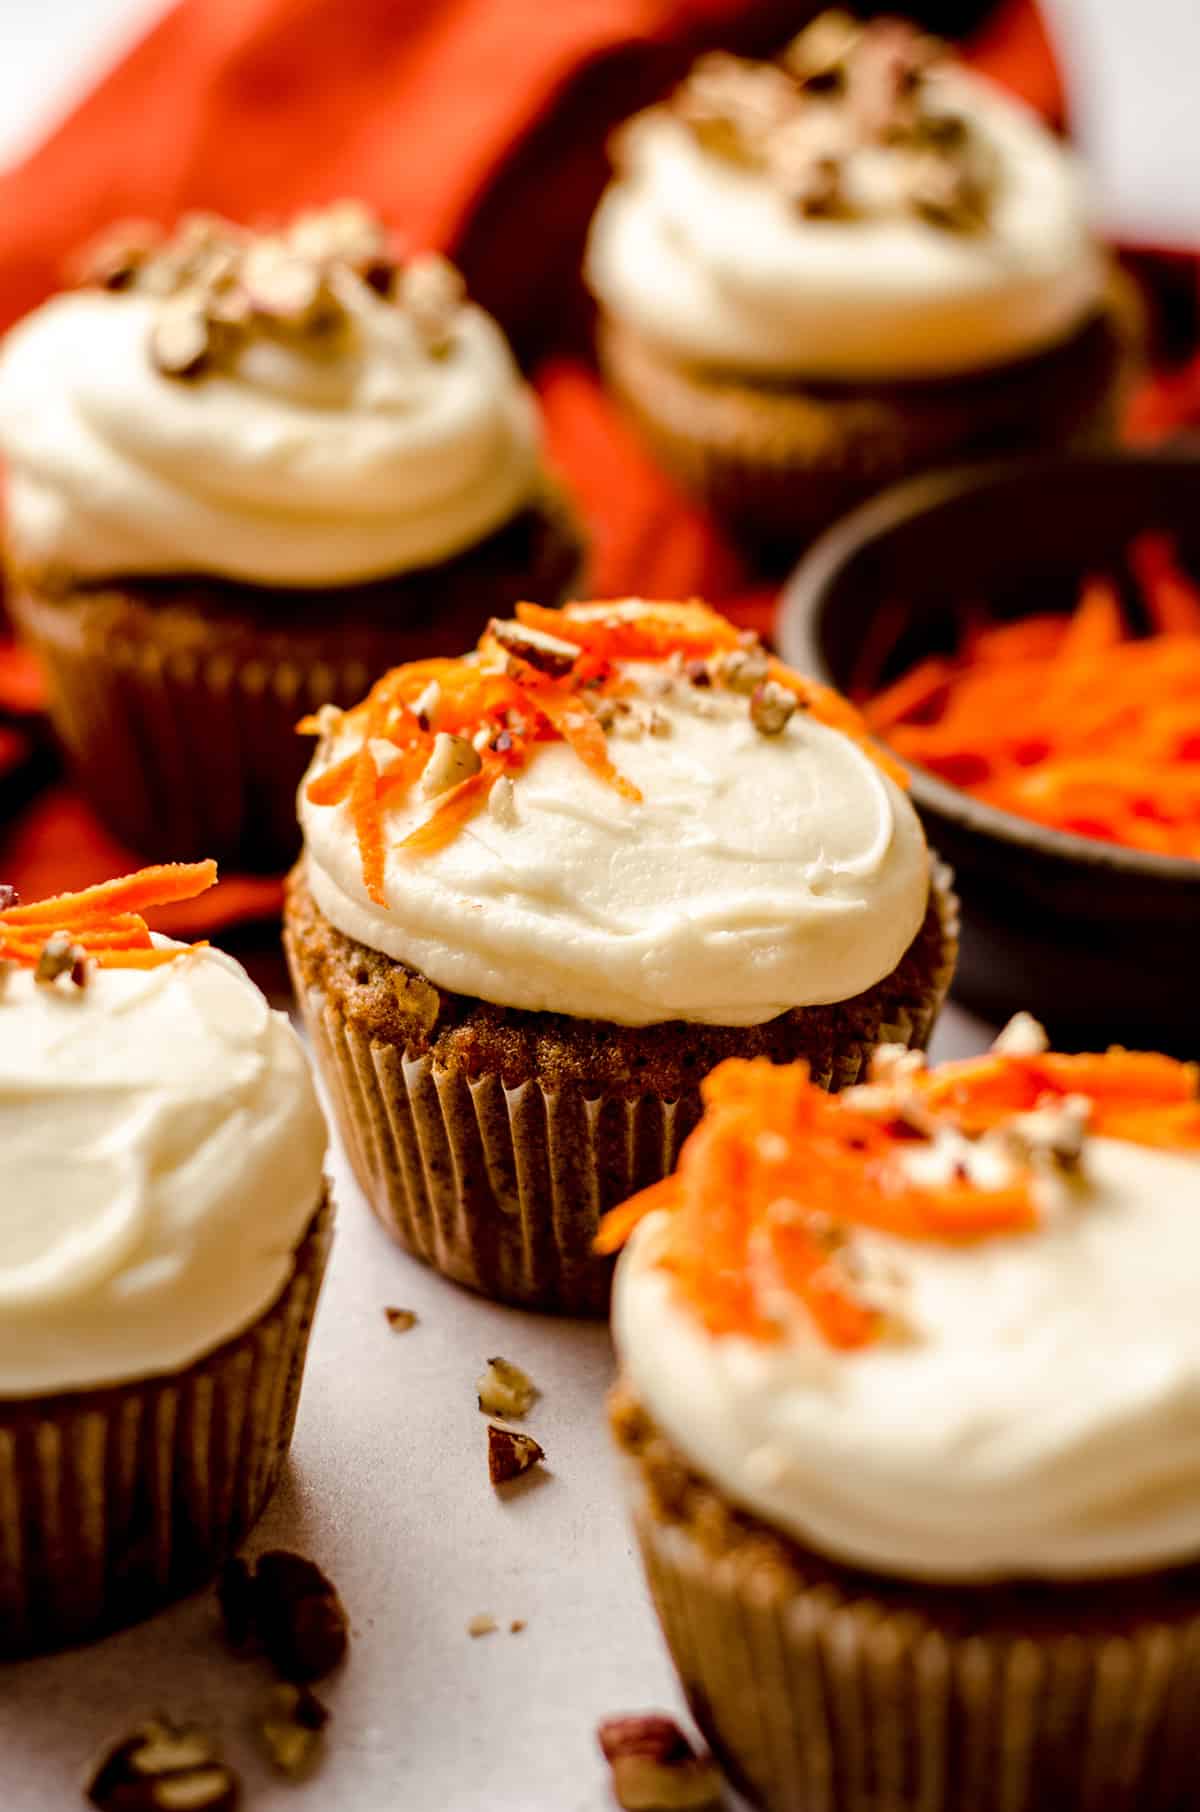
(164, 1228)
(819, 274)
(548, 886)
(910, 1406)
(247, 473)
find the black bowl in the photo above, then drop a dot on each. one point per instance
(1101, 942)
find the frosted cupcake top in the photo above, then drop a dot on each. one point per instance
(620, 811)
(162, 1141)
(860, 209)
(943, 1325)
(298, 408)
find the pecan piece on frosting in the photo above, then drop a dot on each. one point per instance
(549, 654)
(60, 956)
(819, 55)
(655, 1769)
(772, 708)
(181, 337)
(453, 759)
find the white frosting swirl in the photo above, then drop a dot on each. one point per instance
(1044, 1420)
(757, 874)
(163, 1151)
(292, 469)
(712, 263)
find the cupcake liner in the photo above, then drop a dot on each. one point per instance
(176, 701)
(114, 1501)
(819, 1696)
(781, 461)
(502, 1188)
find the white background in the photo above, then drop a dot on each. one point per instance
(388, 1486)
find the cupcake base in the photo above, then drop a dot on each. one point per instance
(490, 1141)
(822, 1689)
(780, 461)
(176, 699)
(115, 1501)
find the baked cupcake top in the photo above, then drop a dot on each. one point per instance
(620, 811)
(303, 407)
(863, 208)
(943, 1325)
(163, 1145)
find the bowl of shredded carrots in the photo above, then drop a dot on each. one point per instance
(1025, 637)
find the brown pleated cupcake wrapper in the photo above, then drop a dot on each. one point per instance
(780, 463)
(114, 1501)
(183, 751)
(820, 1701)
(502, 1189)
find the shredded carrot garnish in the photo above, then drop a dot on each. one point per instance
(1075, 722)
(105, 922)
(507, 706)
(779, 1176)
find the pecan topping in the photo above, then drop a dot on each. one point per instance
(181, 338)
(159, 1768)
(510, 1454)
(547, 653)
(61, 956)
(506, 1391)
(482, 1624)
(1021, 1037)
(742, 669)
(655, 1769)
(453, 759)
(292, 1729)
(772, 708)
(400, 1320)
(9, 897)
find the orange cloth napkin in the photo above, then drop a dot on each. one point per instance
(476, 126)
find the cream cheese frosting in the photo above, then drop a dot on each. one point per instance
(757, 873)
(163, 1150)
(1042, 1420)
(291, 465)
(710, 262)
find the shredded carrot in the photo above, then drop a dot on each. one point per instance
(779, 1176)
(507, 706)
(1075, 722)
(105, 921)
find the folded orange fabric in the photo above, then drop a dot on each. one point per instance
(476, 126)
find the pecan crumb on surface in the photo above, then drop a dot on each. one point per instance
(287, 1607)
(400, 1320)
(655, 1769)
(292, 1729)
(516, 1626)
(506, 1391)
(510, 1454)
(163, 1768)
(482, 1624)
(772, 708)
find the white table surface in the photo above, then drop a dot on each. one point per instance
(388, 1491)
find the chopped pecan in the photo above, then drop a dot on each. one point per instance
(772, 708)
(655, 1769)
(292, 1729)
(818, 56)
(506, 1391)
(1023, 1036)
(181, 337)
(453, 759)
(61, 956)
(281, 285)
(549, 654)
(400, 1320)
(9, 897)
(510, 1454)
(160, 1768)
(288, 1607)
(482, 1624)
(742, 669)
(431, 293)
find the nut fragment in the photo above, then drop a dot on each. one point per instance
(1023, 1036)
(289, 1608)
(431, 293)
(772, 708)
(818, 56)
(113, 260)
(742, 669)
(506, 1391)
(9, 897)
(181, 338)
(292, 1728)
(549, 654)
(61, 956)
(482, 1624)
(453, 759)
(161, 1768)
(655, 1769)
(510, 1454)
(400, 1320)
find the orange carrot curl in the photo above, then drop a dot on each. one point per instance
(777, 1177)
(101, 925)
(546, 676)
(1076, 722)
